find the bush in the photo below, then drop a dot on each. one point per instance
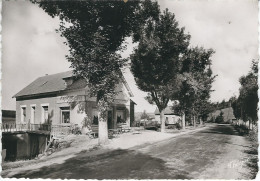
(75, 129)
(136, 124)
(178, 126)
(242, 129)
(220, 118)
(253, 135)
(172, 126)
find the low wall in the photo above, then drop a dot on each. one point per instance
(23, 145)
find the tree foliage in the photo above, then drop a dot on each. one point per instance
(245, 106)
(94, 31)
(156, 60)
(220, 118)
(197, 82)
(155, 63)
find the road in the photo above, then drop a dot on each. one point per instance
(211, 153)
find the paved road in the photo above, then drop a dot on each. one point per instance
(205, 154)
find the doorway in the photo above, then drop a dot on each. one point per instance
(109, 120)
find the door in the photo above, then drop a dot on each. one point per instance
(109, 120)
(120, 116)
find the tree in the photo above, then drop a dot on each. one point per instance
(245, 106)
(94, 31)
(196, 83)
(220, 118)
(155, 63)
(236, 106)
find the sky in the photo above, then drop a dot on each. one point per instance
(32, 48)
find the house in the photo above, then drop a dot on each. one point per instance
(62, 98)
(170, 116)
(8, 116)
(228, 114)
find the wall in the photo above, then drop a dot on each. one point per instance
(77, 107)
(23, 145)
(78, 111)
(51, 101)
(172, 119)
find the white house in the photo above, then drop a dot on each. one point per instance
(170, 116)
(44, 101)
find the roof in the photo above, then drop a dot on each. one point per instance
(55, 82)
(45, 84)
(168, 110)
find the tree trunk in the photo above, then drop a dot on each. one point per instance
(183, 121)
(162, 121)
(200, 121)
(102, 129)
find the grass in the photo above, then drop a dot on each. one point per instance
(252, 162)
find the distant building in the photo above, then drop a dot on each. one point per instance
(170, 116)
(151, 116)
(50, 100)
(8, 116)
(228, 114)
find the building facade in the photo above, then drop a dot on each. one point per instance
(169, 115)
(63, 98)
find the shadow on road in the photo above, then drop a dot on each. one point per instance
(221, 129)
(117, 164)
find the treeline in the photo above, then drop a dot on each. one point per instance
(221, 105)
(245, 105)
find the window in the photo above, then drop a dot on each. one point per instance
(174, 120)
(33, 114)
(65, 114)
(45, 114)
(23, 114)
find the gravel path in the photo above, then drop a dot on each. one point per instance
(205, 153)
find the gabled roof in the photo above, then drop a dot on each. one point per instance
(55, 83)
(168, 110)
(45, 84)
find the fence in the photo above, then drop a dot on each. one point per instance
(12, 127)
(57, 131)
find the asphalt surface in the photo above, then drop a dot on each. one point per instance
(188, 156)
